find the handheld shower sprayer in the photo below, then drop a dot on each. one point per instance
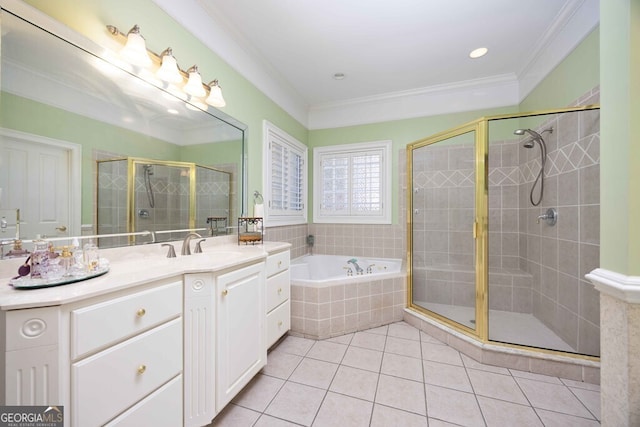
(529, 143)
(148, 171)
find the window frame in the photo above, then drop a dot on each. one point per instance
(352, 150)
(272, 218)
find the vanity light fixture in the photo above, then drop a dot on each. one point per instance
(167, 69)
(135, 50)
(215, 98)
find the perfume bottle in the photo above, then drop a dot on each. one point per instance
(91, 260)
(66, 260)
(39, 259)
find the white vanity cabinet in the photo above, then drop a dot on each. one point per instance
(168, 348)
(278, 293)
(123, 351)
(241, 349)
(225, 338)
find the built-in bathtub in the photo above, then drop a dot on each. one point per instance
(329, 297)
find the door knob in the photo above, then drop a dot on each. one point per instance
(62, 228)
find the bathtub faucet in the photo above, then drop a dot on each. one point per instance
(355, 264)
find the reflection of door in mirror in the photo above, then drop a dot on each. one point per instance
(36, 177)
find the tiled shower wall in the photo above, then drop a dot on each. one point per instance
(559, 256)
(533, 268)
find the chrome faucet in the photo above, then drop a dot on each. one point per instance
(186, 249)
(355, 264)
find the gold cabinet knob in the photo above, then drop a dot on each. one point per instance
(279, 264)
(280, 323)
(141, 312)
(279, 290)
(141, 369)
(225, 292)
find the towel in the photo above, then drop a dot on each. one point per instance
(258, 210)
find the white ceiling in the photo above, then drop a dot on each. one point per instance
(402, 58)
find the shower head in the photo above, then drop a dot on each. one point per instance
(535, 136)
(529, 142)
(148, 169)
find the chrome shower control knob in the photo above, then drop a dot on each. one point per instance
(550, 217)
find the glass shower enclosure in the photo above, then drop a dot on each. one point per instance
(503, 226)
(137, 194)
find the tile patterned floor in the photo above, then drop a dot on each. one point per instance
(396, 375)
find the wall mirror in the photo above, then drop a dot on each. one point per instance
(64, 109)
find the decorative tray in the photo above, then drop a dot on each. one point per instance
(26, 282)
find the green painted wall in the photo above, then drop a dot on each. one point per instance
(576, 74)
(620, 136)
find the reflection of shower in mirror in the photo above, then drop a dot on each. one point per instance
(148, 171)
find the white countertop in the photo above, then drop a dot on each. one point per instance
(134, 266)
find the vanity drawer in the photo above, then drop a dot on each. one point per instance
(107, 383)
(278, 289)
(277, 263)
(162, 408)
(278, 323)
(99, 325)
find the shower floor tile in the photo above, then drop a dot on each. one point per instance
(372, 388)
(505, 326)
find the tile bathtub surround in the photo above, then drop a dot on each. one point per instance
(321, 313)
(294, 234)
(380, 241)
(397, 375)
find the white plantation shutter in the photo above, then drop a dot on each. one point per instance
(285, 178)
(352, 183)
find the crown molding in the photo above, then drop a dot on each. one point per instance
(496, 91)
(575, 21)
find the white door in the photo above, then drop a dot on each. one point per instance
(36, 177)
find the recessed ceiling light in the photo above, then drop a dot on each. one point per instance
(477, 53)
(339, 76)
(172, 111)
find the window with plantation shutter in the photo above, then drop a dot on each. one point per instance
(352, 183)
(285, 180)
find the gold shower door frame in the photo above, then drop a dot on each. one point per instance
(479, 228)
(131, 189)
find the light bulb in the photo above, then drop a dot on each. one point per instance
(215, 98)
(169, 71)
(135, 51)
(194, 84)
